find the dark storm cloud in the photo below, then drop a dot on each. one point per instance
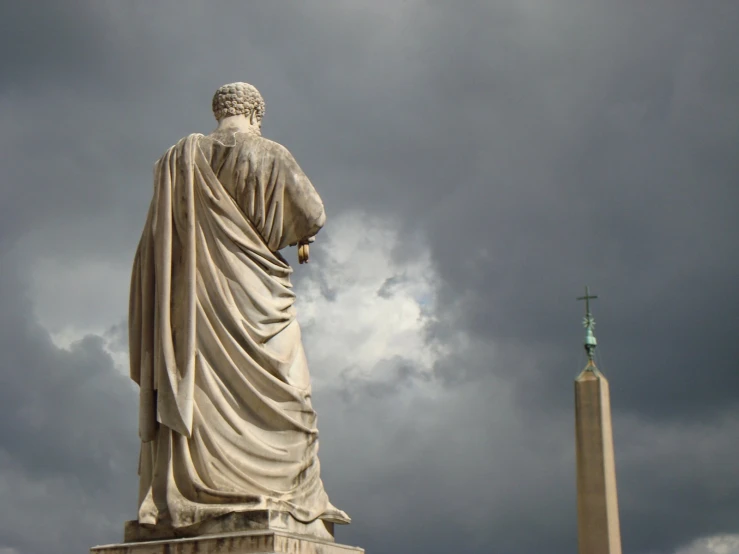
(39, 41)
(67, 454)
(533, 146)
(619, 170)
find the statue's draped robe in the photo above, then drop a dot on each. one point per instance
(226, 421)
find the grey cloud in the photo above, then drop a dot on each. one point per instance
(117, 337)
(388, 288)
(403, 373)
(67, 454)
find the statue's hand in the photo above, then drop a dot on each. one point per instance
(303, 253)
(304, 250)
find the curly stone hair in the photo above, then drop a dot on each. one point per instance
(237, 99)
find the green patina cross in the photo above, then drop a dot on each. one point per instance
(587, 299)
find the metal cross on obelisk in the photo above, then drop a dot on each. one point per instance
(587, 298)
(589, 323)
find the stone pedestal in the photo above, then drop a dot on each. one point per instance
(257, 532)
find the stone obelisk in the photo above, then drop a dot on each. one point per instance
(597, 502)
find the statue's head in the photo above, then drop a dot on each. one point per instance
(238, 99)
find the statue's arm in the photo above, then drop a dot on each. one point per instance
(304, 214)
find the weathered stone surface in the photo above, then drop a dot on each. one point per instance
(251, 542)
(597, 502)
(255, 520)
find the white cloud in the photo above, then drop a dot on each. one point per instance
(719, 544)
(359, 307)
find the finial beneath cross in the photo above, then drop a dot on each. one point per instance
(589, 322)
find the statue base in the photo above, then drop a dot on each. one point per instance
(252, 520)
(259, 531)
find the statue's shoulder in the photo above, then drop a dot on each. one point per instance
(265, 147)
(177, 147)
(254, 146)
(188, 139)
(244, 142)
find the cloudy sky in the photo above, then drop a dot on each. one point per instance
(480, 162)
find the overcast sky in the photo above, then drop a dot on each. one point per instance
(480, 162)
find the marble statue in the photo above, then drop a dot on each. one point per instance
(225, 420)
